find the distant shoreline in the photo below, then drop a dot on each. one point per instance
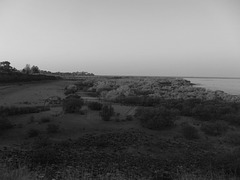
(212, 77)
(195, 77)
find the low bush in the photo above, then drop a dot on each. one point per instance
(41, 142)
(83, 111)
(69, 91)
(233, 119)
(206, 110)
(107, 112)
(45, 156)
(5, 124)
(72, 105)
(31, 120)
(156, 118)
(45, 119)
(229, 162)
(129, 118)
(52, 128)
(33, 133)
(214, 128)
(96, 106)
(190, 132)
(233, 138)
(138, 100)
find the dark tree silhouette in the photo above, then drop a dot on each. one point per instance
(35, 69)
(5, 67)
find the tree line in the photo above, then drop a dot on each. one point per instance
(5, 67)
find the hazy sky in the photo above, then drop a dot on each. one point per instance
(123, 37)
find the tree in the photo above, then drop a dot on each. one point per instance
(5, 66)
(35, 70)
(27, 69)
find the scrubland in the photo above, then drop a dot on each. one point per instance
(118, 128)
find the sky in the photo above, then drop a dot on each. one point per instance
(123, 37)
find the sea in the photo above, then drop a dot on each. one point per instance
(228, 85)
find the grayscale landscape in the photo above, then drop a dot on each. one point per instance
(135, 90)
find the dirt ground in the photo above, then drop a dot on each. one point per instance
(30, 93)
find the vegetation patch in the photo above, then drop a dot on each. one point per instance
(156, 118)
(107, 112)
(233, 138)
(129, 118)
(70, 89)
(205, 110)
(214, 128)
(33, 133)
(52, 128)
(229, 162)
(190, 132)
(13, 110)
(45, 119)
(72, 104)
(96, 106)
(45, 156)
(5, 124)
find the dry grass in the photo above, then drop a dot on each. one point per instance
(189, 176)
(17, 174)
(23, 173)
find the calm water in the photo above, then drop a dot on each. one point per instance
(231, 86)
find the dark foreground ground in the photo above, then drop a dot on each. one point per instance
(86, 147)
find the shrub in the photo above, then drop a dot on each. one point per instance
(233, 138)
(190, 132)
(45, 119)
(138, 100)
(107, 112)
(41, 142)
(52, 128)
(234, 119)
(33, 133)
(72, 105)
(31, 120)
(129, 118)
(45, 156)
(214, 128)
(229, 162)
(70, 89)
(96, 106)
(5, 124)
(156, 118)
